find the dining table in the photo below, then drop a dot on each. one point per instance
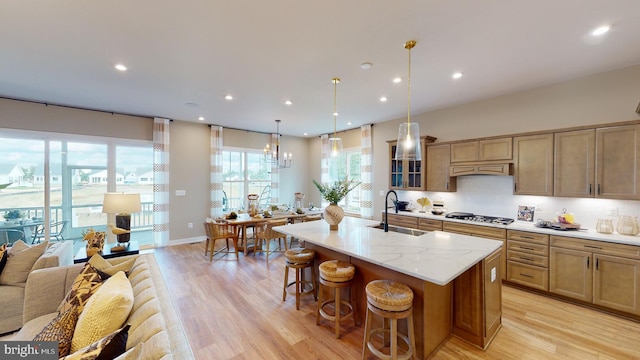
(26, 226)
(243, 221)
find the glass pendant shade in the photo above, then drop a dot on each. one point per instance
(335, 146)
(408, 147)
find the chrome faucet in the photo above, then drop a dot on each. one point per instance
(386, 209)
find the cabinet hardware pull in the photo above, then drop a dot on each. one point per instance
(447, 185)
(590, 185)
(588, 262)
(527, 248)
(597, 261)
(526, 275)
(526, 237)
(515, 187)
(525, 258)
(598, 189)
(593, 247)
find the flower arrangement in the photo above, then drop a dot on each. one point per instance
(13, 214)
(336, 191)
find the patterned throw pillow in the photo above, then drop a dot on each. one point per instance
(61, 330)
(3, 256)
(20, 262)
(107, 348)
(101, 264)
(85, 284)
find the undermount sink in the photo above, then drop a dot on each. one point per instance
(401, 230)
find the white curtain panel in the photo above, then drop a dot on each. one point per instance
(161, 197)
(275, 175)
(324, 164)
(215, 173)
(366, 173)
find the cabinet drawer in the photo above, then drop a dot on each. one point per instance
(528, 275)
(475, 230)
(598, 247)
(529, 248)
(429, 224)
(531, 259)
(530, 237)
(402, 220)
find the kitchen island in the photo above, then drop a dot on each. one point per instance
(454, 277)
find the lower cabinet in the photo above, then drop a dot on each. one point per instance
(402, 220)
(586, 271)
(528, 259)
(485, 232)
(429, 224)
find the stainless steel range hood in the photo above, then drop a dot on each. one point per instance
(504, 169)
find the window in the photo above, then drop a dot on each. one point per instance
(347, 165)
(245, 172)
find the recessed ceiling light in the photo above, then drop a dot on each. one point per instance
(305, 134)
(366, 65)
(201, 118)
(228, 97)
(336, 113)
(383, 99)
(349, 123)
(121, 67)
(601, 30)
(288, 102)
(456, 75)
(397, 80)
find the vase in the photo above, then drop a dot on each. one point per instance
(333, 215)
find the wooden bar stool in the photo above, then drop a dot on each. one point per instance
(336, 275)
(392, 301)
(299, 259)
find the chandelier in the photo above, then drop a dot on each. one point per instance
(274, 156)
(409, 147)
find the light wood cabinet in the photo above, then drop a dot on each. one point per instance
(601, 273)
(429, 224)
(528, 259)
(617, 161)
(485, 232)
(574, 163)
(599, 163)
(408, 174)
(533, 165)
(438, 161)
(482, 150)
(402, 220)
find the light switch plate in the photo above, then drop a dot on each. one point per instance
(493, 274)
(181, 192)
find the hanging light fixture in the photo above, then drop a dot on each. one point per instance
(408, 146)
(274, 156)
(335, 143)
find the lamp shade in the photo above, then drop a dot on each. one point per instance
(408, 147)
(121, 203)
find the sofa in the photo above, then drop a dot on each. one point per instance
(155, 331)
(12, 286)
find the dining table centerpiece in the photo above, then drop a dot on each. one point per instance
(334, 193)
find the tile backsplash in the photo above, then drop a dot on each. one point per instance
(493, 195)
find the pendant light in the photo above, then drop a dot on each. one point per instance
(335, 143)
(274, 156)
(408, 146)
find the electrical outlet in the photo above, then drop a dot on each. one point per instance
(381, 192)
(190, 225)
(539, 207)
(613, 211)
(494, 274)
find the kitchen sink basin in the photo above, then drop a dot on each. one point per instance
(401, 230)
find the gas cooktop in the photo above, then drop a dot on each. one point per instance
(479, 218)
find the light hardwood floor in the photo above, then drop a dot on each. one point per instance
(234, 310)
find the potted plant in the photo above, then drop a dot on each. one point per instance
(13, 215)
(334, 193)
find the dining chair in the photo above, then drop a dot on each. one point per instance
(10, 236)
(57, 229)
(265, 233)
(221, 231)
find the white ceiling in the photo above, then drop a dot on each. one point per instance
(265, 52)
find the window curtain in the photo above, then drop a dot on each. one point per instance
(215, 173)
(161, 181)
(275, 173)
(324, 164)
(366, 173)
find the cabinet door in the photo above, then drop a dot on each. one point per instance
(617, 157)
(574, 163)
(407, 174)
(533, 165)
(438, 161)
(617, 283)
(396, 180)
(570, 273)
(464, 152)
(495, 149)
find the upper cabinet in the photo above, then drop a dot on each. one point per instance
(408, 174)
(599, 163)
(533, 165)
(438, 161)
(482, 150)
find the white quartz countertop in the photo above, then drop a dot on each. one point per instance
(588, 234)
(436, 256)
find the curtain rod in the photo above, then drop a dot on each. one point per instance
(80, 108)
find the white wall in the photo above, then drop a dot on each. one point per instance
(602, 98)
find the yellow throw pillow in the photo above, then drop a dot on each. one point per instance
(105, 312)
(101, 264)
